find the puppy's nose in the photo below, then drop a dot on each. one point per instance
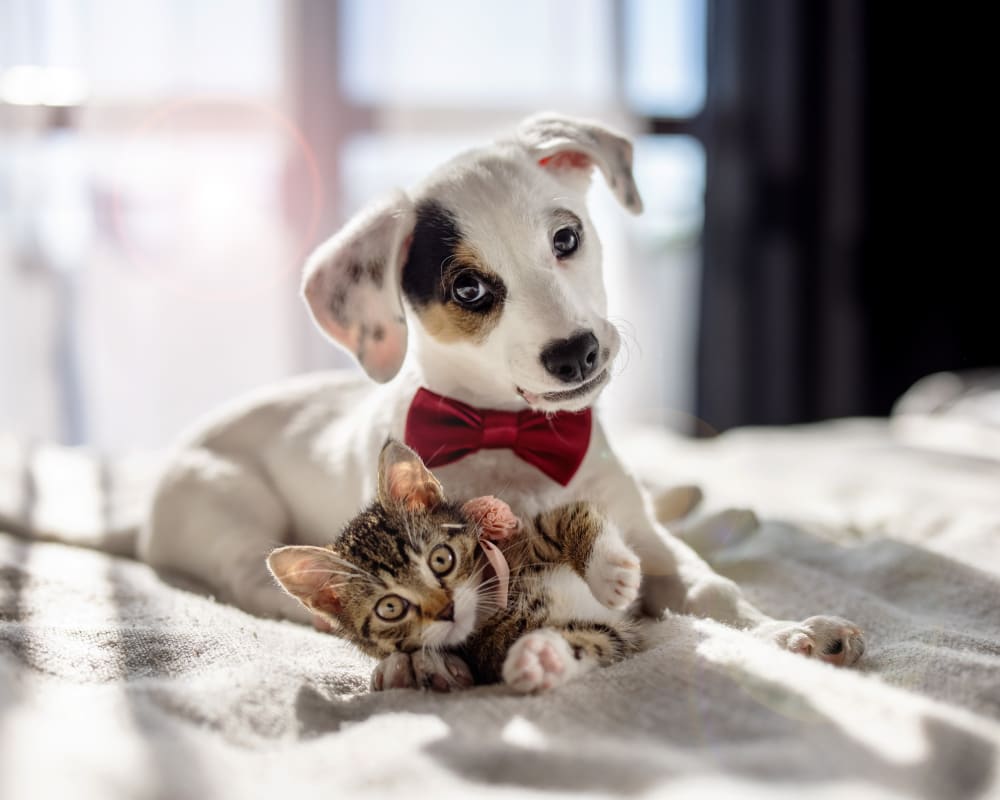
(447, 614)
(571, 360)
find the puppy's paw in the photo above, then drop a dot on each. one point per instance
(539, 660)
(393, 672)
(613, 573)
(831, 639)
(442, 672)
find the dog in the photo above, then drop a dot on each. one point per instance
(477, 298)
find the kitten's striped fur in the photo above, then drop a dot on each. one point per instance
(571, 578)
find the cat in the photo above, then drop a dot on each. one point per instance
(410, 575)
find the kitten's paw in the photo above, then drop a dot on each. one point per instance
(613, 573)
(831, 639)
(539, 660)
(393, 672)
(441, 672)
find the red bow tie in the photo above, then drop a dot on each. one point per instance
(442, 430)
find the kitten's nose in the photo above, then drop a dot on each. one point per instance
(447, 614)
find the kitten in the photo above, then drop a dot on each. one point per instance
(409, 575)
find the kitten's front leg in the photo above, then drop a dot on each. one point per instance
(440, 670)
(613, 571)
(424, 669)
(393, 672)
(579, 535)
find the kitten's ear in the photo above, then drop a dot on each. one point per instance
(403, 480)
(310, 575)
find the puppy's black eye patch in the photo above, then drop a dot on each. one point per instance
(434, 240)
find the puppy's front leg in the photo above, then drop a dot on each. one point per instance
(694, 587)
(675, 577)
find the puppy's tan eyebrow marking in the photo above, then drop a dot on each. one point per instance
(464, 256)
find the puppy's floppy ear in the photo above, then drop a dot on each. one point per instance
(569, 148)
(352, 285)
(404, 481)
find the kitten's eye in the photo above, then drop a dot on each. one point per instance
(441, 560)
(392, 607)
(565, 242)
(469, 291)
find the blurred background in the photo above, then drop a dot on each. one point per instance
(166, 165)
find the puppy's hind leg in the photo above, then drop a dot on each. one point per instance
(831, 639)
(676, 502)
(216, 519)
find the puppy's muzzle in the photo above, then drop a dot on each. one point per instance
(572, 360)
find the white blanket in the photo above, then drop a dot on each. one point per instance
(114, 684)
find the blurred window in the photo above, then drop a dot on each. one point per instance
(162, 171)
(141, 223)
(139, 51)
(665, 56)
(461, 54)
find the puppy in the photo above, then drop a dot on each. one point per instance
(476, 305)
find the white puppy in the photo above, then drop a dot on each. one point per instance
(487, 280)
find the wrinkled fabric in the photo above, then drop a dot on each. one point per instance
(115, 683)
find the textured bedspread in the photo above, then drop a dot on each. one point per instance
(115, 684)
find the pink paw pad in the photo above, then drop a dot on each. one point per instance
(537, 661)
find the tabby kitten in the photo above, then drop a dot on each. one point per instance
(409, 575)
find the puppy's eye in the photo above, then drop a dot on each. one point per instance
(469, 291)
(441, 560)
(565, 242)
(392, 607)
